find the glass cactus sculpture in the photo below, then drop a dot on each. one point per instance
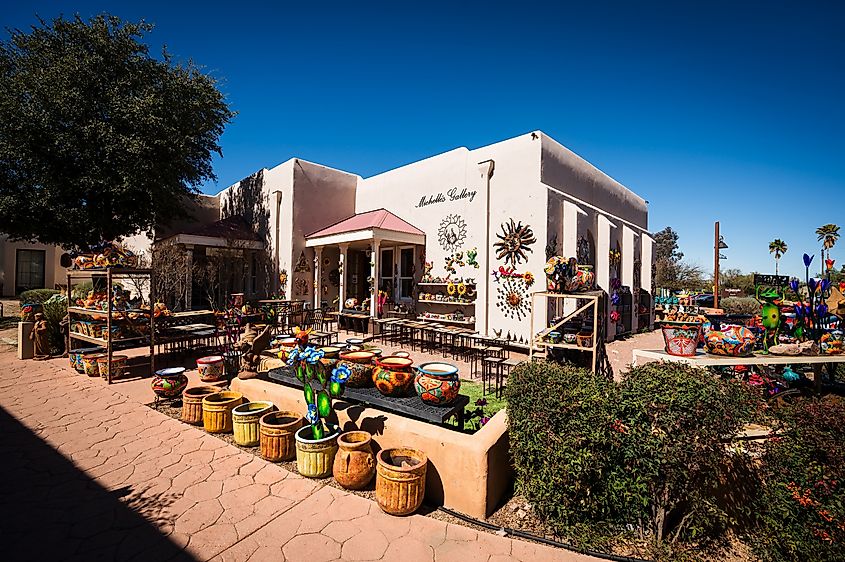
(319, 386)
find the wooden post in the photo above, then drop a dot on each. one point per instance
(716, 268)
(108, 324)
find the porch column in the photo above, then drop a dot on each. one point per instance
(603, 266)
(189, 267)
(628, 270)
(646, 263)
(374, 272)
(341, 289)
(569, 244)
(318, 276)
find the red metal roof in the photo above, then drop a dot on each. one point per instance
(380, 218)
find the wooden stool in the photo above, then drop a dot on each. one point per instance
(503, 373)
(491, 367)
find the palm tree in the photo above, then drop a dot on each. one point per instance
(828, 235)
(777, 247)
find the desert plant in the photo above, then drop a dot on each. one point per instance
(36, 296)
(801, 510)
(777, 247)
(55, 310)
(740, 305)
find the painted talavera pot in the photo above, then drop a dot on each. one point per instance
(217, 410)
(681, 338)
(315, 457)
(192, 402)
(276, 435)
(733, 341)
(400, 480)
(210, 368)
(360, 364)
(354, 464)
(89, 360)
(437, 383)
(75, 356)
(245, 418)
(393, 376)
(831, 343)
(170, 382)
(118, 366)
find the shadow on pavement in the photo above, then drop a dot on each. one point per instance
(50, 509)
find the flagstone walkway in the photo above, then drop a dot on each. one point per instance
(88, 474)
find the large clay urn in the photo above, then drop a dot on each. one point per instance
(400, 480)
(354, 462)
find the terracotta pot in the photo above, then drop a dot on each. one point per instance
(170, 382)
(210, 368)
(75, 356)
(315, 457)
(89, 360)
(245, 418)
(276, 431)
(393, 377)
(354, 463)
(437, 383)
(192, 402)
(681, 338)
(217, 410)
(360, 368)
(118, 366)
(400, 480)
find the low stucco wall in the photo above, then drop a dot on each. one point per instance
(468, 473)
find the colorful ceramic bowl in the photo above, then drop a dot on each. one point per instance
(392, 376)
(330, 351)
(210, 368)
(732, 341)
(89, 360)
(357, 356)
(437, 383)
(75, 356)
(170, 382)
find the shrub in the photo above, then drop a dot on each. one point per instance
(558, 422)
(740, 305)
(675, 420)
(646, 454)
(37, 296)
(801, 510)
(55, 309)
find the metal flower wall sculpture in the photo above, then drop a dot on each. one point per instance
(512, 298)
(514, 241)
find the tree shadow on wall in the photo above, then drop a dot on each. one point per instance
(49, 509)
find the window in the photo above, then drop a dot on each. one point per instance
(406, 273)
(386, 272)
(29, 270)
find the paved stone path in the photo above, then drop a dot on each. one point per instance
(87, 474)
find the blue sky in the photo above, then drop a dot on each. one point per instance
(727, 111)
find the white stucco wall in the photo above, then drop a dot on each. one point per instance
(54, 273)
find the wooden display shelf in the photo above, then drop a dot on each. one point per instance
(464, 322)
(95, 312)
(445, 283)
(565, 346)
(104, 342)
(593, 300)
(470, 303)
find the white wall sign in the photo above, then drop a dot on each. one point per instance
(452, 195)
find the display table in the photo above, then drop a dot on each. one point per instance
(410, 406)
(702, 359)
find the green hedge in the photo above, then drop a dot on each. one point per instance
(740, 305)
(36, 296)
(643, 457)
(801, 510)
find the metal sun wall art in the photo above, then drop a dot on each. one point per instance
(514, 241)
(512, 298)
(452, 232)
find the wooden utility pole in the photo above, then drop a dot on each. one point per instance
(716, 268)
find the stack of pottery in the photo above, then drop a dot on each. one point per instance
(393, 376)
(681, 338)
(217, 410)
(276, 435)
(210, 368)
(315, 457)
(75, 356)
(118, 366)
(354, 464)
(89, 361)
(168, 383)
(437, 383)
(360, 368)
(245, 418)
(192, 402)
(400, 480)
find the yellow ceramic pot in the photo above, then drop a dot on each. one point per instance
(245, 420)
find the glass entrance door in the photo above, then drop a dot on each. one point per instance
(406, 273)
(386, 270)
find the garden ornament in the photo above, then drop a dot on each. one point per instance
(769, 300)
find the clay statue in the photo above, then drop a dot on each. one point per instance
(251, 345)
(39, 338)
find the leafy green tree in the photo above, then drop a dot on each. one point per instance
(98, 139)
(670, 271)
(777, 247)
